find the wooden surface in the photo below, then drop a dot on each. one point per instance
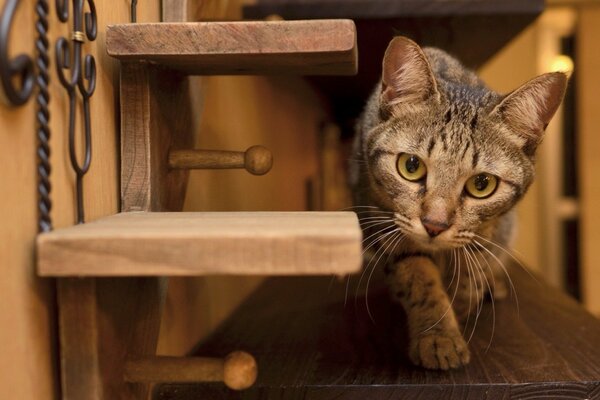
(28, 319)
(361, 9)
(588, 141)
(472, 30)
(326, 47)
(309, 345)
(237, 370)
(166, 244)
(102, 323)
(156, 115)
(257, 160)
(79, 359)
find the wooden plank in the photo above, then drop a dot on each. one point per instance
(313, 344)
(155, 116)
(238, 243)
(460, 27)
(79, 361)
(324, 47)
(377, 9)
(103, 322)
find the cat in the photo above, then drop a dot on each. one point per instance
(441, 162)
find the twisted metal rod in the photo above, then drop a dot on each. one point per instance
(43, 117)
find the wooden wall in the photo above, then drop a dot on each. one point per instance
(588, 70)
(27, 330)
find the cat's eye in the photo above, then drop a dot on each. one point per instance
(481, 186)
(411, 167)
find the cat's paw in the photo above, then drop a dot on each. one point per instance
(439, 351)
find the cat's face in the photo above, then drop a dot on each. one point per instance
(447, 161)
(442, 177)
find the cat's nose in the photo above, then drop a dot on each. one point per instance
(434, 228)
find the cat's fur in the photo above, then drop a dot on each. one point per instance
(429, 105)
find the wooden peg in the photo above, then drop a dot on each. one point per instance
(257, 159)
(237, 370)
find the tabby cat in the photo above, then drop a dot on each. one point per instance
(441, 162)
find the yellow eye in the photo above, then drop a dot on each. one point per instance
(481, 186)
(411, 167)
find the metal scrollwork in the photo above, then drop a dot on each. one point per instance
(21, 65)
(82, 78)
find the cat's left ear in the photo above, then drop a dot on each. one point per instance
(528, 110)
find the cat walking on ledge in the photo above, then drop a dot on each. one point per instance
(442, 162)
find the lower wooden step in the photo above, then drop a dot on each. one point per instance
(313, 338)
(189, 244)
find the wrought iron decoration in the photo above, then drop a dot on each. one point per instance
(20, 65)
(16, 92)
(71, 59)
(23, 67)
(43, 116)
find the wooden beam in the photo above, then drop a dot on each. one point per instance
(319, 47)
(191, 244)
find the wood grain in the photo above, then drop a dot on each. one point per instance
(378, 9)
(257, 160)
(312, 344)
(237, 370)
(155, 116)
(79, 358)
(325, 47)
(588, 141)
(462, 28)
(29, 353)
(190, 244)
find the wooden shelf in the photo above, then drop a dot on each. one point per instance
(309, 344)
(383, 9)
(471, 30)
(318, 47)
(189, 244)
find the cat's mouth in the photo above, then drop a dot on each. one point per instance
(447, 240)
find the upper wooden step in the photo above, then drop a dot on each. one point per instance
(184, 243)
(316, 47)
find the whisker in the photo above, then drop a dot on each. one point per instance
(476, 268)
(361, 219)
(363, 254)
(380, 231)
(468, 270)
(362, 275)
(394, 242)
(507, 251)
(512, 286)
(491, 296)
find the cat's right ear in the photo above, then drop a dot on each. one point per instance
(407, 77)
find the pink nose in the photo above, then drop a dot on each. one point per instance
(434, 228)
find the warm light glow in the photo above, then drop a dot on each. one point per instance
(562, 63)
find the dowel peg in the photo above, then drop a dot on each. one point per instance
(257, 160)
(238, 370)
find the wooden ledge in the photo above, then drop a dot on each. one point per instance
(190, 244)
(316, 47)
(310, 343)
